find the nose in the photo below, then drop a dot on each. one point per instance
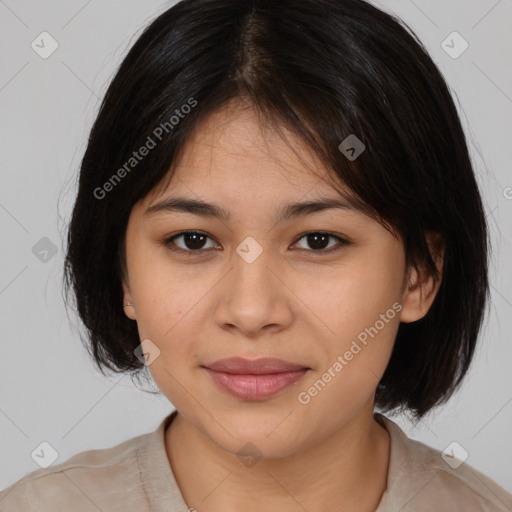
(254, 297)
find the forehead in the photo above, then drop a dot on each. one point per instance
(232, 151)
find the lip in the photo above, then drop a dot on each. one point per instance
(254, 379)
(262, 366)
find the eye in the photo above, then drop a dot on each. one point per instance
(319, 240)
(192, 242)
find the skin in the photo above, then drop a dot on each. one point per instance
(330, 454)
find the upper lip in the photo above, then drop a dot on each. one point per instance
(266, 365)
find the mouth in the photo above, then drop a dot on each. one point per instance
(254, 379)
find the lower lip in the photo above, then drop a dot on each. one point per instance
(255, 387)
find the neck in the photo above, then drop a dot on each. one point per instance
(347, 471)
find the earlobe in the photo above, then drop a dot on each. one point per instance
(128, 304)
(422, 287)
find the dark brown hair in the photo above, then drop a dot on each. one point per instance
(325, 69)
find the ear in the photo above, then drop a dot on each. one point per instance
(421, 289)
(128, 304)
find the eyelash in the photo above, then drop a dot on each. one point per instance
(168, 242)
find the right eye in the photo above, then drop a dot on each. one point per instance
(192, 242)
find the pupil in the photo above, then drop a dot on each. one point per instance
(313, 240)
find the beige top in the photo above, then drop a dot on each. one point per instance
(136, 476)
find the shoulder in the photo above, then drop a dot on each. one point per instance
(422, 478)
(90, 480)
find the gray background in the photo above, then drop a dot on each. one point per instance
(49, 389)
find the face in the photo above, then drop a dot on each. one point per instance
(321, 290)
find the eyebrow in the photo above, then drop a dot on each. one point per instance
(204, 209)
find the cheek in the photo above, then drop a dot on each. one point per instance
(167, 324)
(359, 308)
(351, 297)
(161, 291)
(352, 367)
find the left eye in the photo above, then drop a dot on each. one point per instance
(317, 240)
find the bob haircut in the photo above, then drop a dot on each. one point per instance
(324, 69)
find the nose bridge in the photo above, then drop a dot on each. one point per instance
(252, 297)
(251, 274)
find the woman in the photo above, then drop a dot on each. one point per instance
(277, 217)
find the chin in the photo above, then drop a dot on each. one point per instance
(270, 434)
(250, 449)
